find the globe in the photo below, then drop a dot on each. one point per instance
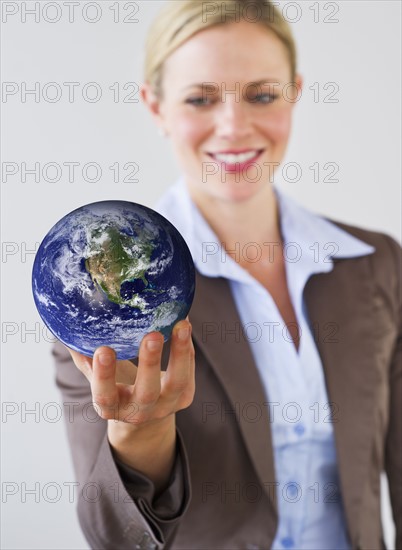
(110, 272)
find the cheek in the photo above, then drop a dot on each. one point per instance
(277, 126)
(189, 130)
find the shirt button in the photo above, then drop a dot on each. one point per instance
(299, 429)
(146, 543)
(287, 542)
(292, 489)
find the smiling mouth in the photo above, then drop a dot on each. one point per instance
(237, 160)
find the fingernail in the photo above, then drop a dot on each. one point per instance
(153, 345)
(183, 333)
(104, 359)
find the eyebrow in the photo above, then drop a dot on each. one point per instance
(255, 82)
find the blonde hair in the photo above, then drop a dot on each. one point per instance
(180, 19)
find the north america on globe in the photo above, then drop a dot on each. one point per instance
(113, 260)
(110, 272)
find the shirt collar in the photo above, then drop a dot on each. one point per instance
(311, 241)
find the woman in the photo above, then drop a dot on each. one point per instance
(279, 406)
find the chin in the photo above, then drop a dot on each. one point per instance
(233, 191)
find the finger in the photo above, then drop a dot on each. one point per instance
(82, 362)
(103, 384)
(148, 381)
(180, 370)
(126, 372)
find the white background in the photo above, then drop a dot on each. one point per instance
(360, 133)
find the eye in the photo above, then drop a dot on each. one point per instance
(260, 98)
(264, 98)
(197, 101)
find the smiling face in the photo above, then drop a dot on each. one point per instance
(227, 109)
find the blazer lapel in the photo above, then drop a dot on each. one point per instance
(340, 307)
(217, 332)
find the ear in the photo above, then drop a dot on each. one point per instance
(299, 82)
(152, 103)
(296, 89)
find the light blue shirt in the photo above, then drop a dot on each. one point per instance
(311, 514)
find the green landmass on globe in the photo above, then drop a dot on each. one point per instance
(114, 260)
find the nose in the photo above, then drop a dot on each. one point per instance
(233, 119)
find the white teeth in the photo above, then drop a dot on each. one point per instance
(231, 158)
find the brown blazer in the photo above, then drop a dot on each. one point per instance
(221, 493)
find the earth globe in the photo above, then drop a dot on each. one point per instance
(110, 272)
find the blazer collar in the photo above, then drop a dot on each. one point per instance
(312, 237)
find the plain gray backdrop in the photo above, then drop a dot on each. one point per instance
(348, 51)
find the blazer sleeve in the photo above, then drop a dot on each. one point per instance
(393, 445)
(117, 506)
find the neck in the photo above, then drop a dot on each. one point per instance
(243, 225)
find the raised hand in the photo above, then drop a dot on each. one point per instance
(140, 401)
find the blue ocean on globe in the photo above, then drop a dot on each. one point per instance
(110, 272)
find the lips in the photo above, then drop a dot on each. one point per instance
(234, 161)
